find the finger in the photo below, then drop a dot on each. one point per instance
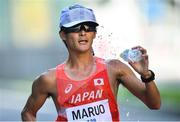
(136, 47)
(145, 56)
(131, 63)
(143, 50)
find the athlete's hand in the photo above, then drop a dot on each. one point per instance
(141, 67)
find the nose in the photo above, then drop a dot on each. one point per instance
(82, 32)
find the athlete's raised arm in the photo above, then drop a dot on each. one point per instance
(145, 89)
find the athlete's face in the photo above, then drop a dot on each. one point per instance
(79, 38)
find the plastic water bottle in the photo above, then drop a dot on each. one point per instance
(133, 55)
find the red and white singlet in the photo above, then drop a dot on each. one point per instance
(86, 100)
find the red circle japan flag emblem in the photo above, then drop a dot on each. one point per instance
(98, 81)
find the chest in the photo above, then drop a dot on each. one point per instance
(90, 98)
(94, 88)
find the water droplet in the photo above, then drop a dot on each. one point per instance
(127, 100)
(127, 114)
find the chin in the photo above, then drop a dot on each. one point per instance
(83, 50)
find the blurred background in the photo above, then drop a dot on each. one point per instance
(30, 45)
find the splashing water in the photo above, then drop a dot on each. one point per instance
(127, 100)
(127, 114)
(109, 45)
(104, 45)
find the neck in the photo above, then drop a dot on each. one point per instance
(80, 61)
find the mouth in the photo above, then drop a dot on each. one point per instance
(83, 42)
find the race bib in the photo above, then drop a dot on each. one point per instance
(92, 112)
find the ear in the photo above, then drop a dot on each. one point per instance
(62, 35)
(94, 35)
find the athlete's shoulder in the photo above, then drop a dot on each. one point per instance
(110, 62)
(116, 65)
(49, 75)
(46, 79)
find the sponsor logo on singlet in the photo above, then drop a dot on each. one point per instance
(68, 88)
(96, 111)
